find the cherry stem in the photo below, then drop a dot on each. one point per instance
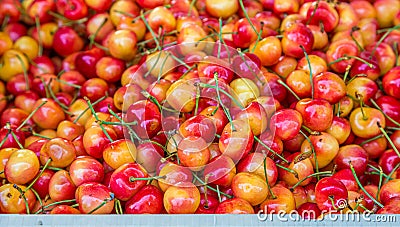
(378, 171)
(251, 23)
(151, 30)
(105, 201)
(25, 71)
(289, 89)
(30, 115)
(270, 149)
(359, 98)
(155, 101)
(38, 198)
(324, 173)
(97, 119)
(332, 199)
(205, 191)
(70, 84)
(39, 175)
(388, 117)
(346, 73)
(37, 23)
(313, 151)
(5, 21)
(289, 170)
(248, 66)
(380, 182)
(371, 139)
(24, 197)
(179, 60)
(191, 7)
(133, 179)
(388, 31)
(118, 207)
(389, 177)
(209, 187)
(353, 29)
(313, 12)
(228, 115)
(362, 187)
(56, 203)
(309, 68)
(88, 108)
(16, 140)
(266, 179)
(153, 66)
(5, 138)
(93, 36)
(197, 98)
(396, 53)
(348, 57)
(388, 138)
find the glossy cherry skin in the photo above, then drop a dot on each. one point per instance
(324, 13)
(388, 160)
(234, 206)
(296, 36)
(303, 167)
(193, 152)
(256, 116)
(220, 171)
(347, 178)
(148, 117)
(119, 152)
(73, 10)
(94, 89)
(250, 187)
(208, 204)
(10, 141)
(391, 82)
(245, 34)
(174, 174)
(330, 188)
(86, 61)
(218, 117)
(86, 169)
(254, 163)
(49, 115)
(61, 152)
(389, 191)
(123, 183)
(181, 198)
(67, 41)
(64, 209)
(329, 86)
(200, 126)
(340, 129)
(11, 201)
(392, 207)
(148, 200)
(309, 211)
(41, 186)
(61, 186)
(317, 113)
(353, 154)
(325, 146)
(284, 201)
(391, 107)
(90, 195)
(286, 123)
(94, 140)
(366, 126)
(21, 167)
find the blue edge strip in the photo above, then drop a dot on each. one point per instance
(195, 220)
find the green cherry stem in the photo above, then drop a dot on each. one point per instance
(24, 197)
(30, 115)
(388, 117)
(25, 71)
(388, 31)
(309, 68)
(88, 108)
(313, 12)
(40, 43)
(388, 138)
(289, 170)
(16, 140)
(37, 177)
(348, 57)
(313, 151)
(289, 89)
(56, 203)
(266, 179)
(362, 187)
(209, 187)
(324, 173)
(389, 177)
(103, 203)
(97, 119)
(93, 36)
(371, 139)
(251, 23)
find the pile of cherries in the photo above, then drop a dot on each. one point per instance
(201, 106)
